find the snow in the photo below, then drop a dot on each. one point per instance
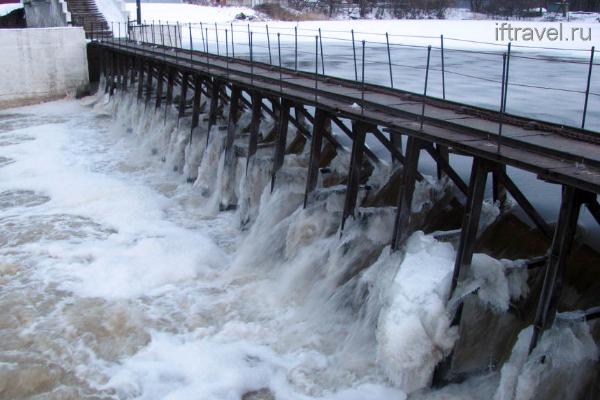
(6, 9)
(186, 13)
(456, 29)
(113, 10)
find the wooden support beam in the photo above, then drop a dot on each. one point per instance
(405, 194)
(557, 261)
(113, 73)
(124, 72)
(106, 67)
(196, 105)
(520, 198)
(159, 86)
(316, 145)
(214, 105)
(183, 93)
(170, 84)
(340, 124)
(140, 87)
(282, 130)
(396, 141)
(498, 190)
(133, 71)
(254, 126)
(389, 146)
(327, 134)
(470, 224)
(236, 93)
(444, 166)
(149, 82)
(359, 130)
(594, 209)
(442, 153)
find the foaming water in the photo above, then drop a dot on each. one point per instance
(123, 277)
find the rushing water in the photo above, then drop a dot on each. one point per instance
(119, 279)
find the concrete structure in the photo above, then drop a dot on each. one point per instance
(41, 64)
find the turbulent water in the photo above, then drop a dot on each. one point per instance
(119, 279)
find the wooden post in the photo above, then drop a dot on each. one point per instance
(405, 194)
(396, 140)
(113, 73)
(359, 131)
(468, 233)
(104, 60)
(443, 153)
(159, 86)
(183, 94)
(282, 129)
(557, 262)
(214, 105)
(196, 106)
(140, 79)
(315, 153)
(133, 71)
(254, 126)
(106, 69)
(236, 93)
(498, 190)
(170, 83)
(149, 83)
(124, 75)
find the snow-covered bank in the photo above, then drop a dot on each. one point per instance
(6, 9)
(185, 13)
(477, 34)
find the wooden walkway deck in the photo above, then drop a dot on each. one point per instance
(556, 153)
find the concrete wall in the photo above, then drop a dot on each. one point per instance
(41, 63)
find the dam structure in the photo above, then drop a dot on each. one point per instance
(199, 83)
(218, 214)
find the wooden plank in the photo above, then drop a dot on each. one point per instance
(524, 140)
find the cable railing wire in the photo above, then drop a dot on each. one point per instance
(257, 52)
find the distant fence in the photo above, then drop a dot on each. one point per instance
(163, 34)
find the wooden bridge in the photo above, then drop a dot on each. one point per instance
(560, 155)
